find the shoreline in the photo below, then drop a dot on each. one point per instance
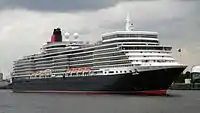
(174, 86)
(183, 86)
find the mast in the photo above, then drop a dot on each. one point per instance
(129, 25)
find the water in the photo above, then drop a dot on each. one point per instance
(178, 102)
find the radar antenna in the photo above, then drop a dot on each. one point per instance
(76, 35)
(67, 35)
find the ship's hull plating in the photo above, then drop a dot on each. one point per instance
(154, 81)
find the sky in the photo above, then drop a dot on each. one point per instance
(25, 25)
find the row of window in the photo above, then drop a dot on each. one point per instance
(111, 50)
(55, 46)
(129, 35)
(106, 51)
(16, 73)
(146, 48)
(112, 63)
(149, 52)
(63, 68)
(98, 59)
(22, 69)
(89, 50)
(154, 56)
(108, 61)
(154, 61)
(64, 58)
(119, 65)
(132, 40)
(77, 74)
(64, 62)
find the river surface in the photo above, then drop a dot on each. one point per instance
(176, 102)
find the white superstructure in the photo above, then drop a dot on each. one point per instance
(117, 52)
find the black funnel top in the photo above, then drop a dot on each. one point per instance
(58, 35)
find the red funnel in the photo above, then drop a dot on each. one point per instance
(53, 38)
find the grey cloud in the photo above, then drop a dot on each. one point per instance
(59, 5)
(176, 28)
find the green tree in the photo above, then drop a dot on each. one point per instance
(188, 75)
(180, 78)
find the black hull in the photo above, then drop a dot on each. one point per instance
(121, 83)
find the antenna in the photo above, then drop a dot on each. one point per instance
(129, 25)
(127, 22)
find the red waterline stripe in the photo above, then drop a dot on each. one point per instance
(150, 92)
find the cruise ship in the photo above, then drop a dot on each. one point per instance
(122, 62)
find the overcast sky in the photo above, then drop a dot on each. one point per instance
(26, 24)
